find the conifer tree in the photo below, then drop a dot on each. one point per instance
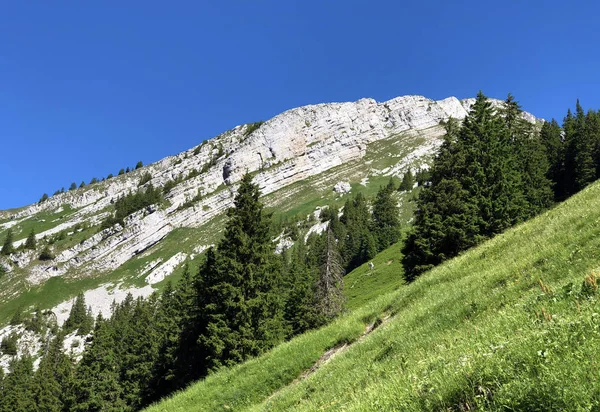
(408, 181)
(244, 310)
(7, 247)
(96, 386)
(79, 318)
(584, 143)
(30, 243)
(386, 220)
(476, 190)
(300, 311)
(529, 160)
(18, 386)
(73, 186)
(53, 378)
(356, 219)
(550, 136)
(330, 297)
(570, 138)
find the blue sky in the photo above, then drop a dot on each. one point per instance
(87, 88)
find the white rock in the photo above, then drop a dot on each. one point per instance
(165, 269)
(342, 187)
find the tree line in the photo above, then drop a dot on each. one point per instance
(494, 170)
(242, 300)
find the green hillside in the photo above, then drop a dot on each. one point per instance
(513, 324)
(294, 201)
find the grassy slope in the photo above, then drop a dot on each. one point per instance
(473, 333)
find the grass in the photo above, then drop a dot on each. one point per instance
(40, 222)
(502, 327)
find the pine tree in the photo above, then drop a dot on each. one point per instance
(386, 220)
(408, 181)
(356, 219)
(43, 198)
(8, 247)
(329, 293)
(583, 149)
(300, 313)
(476, 189)
(530, 161)
(139, 165)
(82, 184)
(79, 318)
(550, 136)
(30, 243)
(73, 186)
(96, 386)
(53, 378)
(18, 386)
(244, 307)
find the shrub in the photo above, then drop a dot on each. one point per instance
(589, 286)
(46, 254)
(252, 127)
(131, 203)
(146, 177)
(9, 344)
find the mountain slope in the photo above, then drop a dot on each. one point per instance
(511, 324)
(297, 158)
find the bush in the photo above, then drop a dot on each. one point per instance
(131, 203)
(252, 127)
(9, 344)
(146, 177)
(46, 254)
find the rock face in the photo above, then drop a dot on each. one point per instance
(286, 149)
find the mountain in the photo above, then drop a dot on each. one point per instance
(512, 324)
(303, 160)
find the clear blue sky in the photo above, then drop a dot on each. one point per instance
(89, 87)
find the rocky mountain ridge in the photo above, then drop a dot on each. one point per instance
(296, 145)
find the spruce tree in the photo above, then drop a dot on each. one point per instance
(96, 386)
(408, 181)
(584, 143)
(356, 219)
(476, 189)
(300, 313)
(8, 247)
(329, 293)
(79, 318)
(30, 243)
(386, 219)
(529, 159)
(243, 310)
(19, 386)
(53, 378)
(551, 138)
